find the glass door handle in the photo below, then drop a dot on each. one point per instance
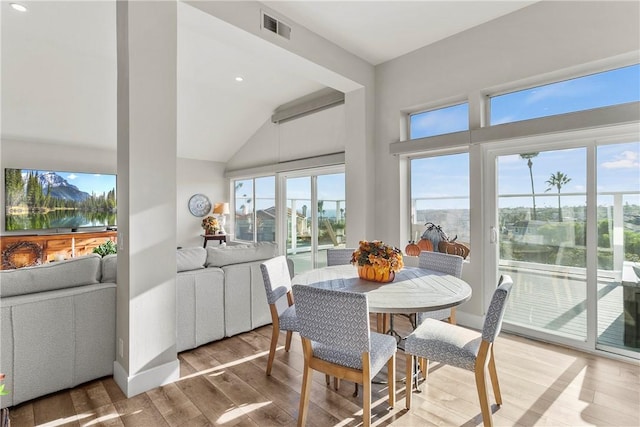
(493, 235)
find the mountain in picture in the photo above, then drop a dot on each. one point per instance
(59, 188)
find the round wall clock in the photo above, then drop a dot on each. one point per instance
(199, 205)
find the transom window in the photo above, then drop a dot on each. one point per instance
(439, 122)
(604, 89)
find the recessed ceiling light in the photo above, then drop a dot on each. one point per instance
(18, 7)
(239, 79)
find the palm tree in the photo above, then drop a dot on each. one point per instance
(557, 180)
(528, 157)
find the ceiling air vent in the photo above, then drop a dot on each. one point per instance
(270, 23)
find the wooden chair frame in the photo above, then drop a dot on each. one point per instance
(485, 360)
(275, 333)
(363, 377)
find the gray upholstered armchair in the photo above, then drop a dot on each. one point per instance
(337, 340)
(464, 348)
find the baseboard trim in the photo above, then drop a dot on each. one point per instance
(146, 380)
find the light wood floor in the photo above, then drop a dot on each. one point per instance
(224, 383)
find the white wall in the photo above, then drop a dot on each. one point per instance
(545, 39)
(197, 176)
(323, 132)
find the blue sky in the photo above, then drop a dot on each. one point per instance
(593, 91)
(618, 169)
(597, 90)
(618, 165)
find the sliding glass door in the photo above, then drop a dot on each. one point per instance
(567, 229)
(618, 247)
(541, 222)
(315, 211)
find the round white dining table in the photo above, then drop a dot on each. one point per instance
(413, 290)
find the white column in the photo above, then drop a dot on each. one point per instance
(360, 167)
(146, 321)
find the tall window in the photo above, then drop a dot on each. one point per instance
(604, 89)
(255, 209)
(439, 121)
(440, 195)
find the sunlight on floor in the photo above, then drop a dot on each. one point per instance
(101, 420)
(215, 369)
(238, 412)
(63, 421)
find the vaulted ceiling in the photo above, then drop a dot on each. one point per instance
(59, 65)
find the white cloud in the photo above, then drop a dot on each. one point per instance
(72, 176)
(626, 160)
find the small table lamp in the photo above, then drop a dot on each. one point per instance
(222, 210)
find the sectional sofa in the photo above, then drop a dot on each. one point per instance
(57, 326)
(220, 292)
(58, 319)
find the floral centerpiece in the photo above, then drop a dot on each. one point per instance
(377, 261)
(210, 225)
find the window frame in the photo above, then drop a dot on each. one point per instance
(455, 150)
(234, 205)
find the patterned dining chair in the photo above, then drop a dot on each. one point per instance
(342, 256)
(337, 340)
(443, 263)
(339, 256)
(277, 285)
(464, 348)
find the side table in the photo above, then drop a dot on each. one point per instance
(219, 237)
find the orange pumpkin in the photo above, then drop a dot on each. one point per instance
(425, 245)
(454, 248)
(412, 249)
(369, 272)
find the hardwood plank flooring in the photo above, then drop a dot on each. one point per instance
(224, 383)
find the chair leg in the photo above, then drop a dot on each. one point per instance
(494, 378)
(366, 402)
(336, 383)
(304, 394)
(481, 385)
(424, 366)
(366, 390)
(409, 380)
(391, 380)
(272, 349)
(287, 343)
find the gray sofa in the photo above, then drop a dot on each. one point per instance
(58, 324)
(58, 319)
(220, 292)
